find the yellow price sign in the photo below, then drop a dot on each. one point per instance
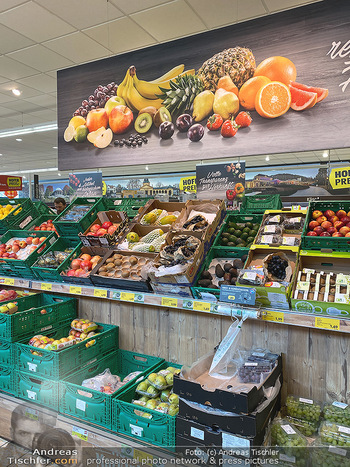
(9, 281)
(276, 316)
(172, 302)
(127, 297)
(340, 178)
(143, 457)
(46, 286)
(327, 323)
(188, 184)
(75, 290)
(102, 293)
(201, 306)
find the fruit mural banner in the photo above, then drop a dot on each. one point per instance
(8, 182)
(181, 101)
(86, 184)
(221, 181)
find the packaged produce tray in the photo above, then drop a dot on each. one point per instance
(56, 364)
(34, 314)
(334, 434)
(236, 402)
(36, 389)
(141, 231)
(23, 208)
(72, 227)
(7, 379)
(141, 423)
(92, 251)
(22, 268)
(228, 253)
(94, 406)
(237, 236)
(323, 454)
(337, 412)
(326, 243)
(152, 204)
(54, 274)
(260, 203)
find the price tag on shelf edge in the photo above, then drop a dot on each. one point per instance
(46, 286)
(127, 296)
(75, 289)
(80, 433)
(168, 301)
(327, 323)
(9, 281)
(102, 293)
(276, 316)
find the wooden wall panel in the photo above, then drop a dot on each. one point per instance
(315, 362)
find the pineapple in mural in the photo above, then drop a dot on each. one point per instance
(181, 94)
(238, 63)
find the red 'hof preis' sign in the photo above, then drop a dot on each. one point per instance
(10, 182)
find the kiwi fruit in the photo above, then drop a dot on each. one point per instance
(102, 269)
(125, 274)
(109, 260)
(162, 115)
(132, 260)
(219, 272)
(118, 262)
(149, 110)
(103, 273)
(109, 266)
(143, 123)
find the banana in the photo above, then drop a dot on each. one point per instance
(150, 90)
(134, 98)
(121, 86)
(170, 74)
(125, 95)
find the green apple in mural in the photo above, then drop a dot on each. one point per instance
(112, 102)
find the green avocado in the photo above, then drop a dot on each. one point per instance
(224, 241)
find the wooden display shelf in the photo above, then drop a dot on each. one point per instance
(290, 318)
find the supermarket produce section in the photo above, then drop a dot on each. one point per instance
(77, 337)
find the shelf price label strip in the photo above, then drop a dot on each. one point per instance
(276, 316)
(327, 323)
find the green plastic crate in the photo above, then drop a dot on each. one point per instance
(24, 207)
(325, 243)
(6, 353)
(37, 389)
(30, 319)
(128, 419)
(93, 406)
(7, 379)
(39, 220)
(238, 218)
(72, 228)
(260, 203)
(214, 253)
(44, 209)
(56, 364)
(54, 274)
(22, 268)
(129, 205)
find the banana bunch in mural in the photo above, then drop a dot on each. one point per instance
(139, 94)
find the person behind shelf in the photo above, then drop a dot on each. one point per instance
(60, 205)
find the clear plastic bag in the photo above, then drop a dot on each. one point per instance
(252, 276)
(337, 412)
(223, 365)
(293, 223)
(276, 219)
(104, 382)
(269, 239)
(306, 409)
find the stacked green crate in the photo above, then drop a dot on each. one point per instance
(23, 208)
(258, 204)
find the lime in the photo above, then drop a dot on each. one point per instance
(81, 134)
(224, 241)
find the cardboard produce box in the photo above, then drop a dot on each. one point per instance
(187, 277)
(212, 210)
(196, 385)
(170, 207)
(324, 288)
(117, 217)
(273, 293)
(141, 231)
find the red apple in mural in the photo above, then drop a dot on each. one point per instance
(113, 102)
(316, 214)
(319, 230)
(120, 119)
(313, 224)
(311, 234)
(341, 213)
(329, 213)
(96, 119)
(331, 230)
(326, 225)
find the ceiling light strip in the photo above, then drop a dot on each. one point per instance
(28, 130)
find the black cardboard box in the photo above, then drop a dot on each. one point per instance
(242, 402)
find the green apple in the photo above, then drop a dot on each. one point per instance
(152, 377)
(173, 409)
(112, 102)
(163, 407)
(152, 391)
(160, 382)
(144, 399)
(142, 387)
(174, 399)
(151, 404)
(169, 379)
(165, 395)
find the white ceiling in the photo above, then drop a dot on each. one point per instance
(39, 37)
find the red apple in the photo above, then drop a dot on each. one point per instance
(319, 230)
(101, 232)
(341, 213)
(80, 273)
(326, 225)
(338, 224)
(321, 219)
(112, 229)
(36, 228)
(345, 219)
(329, 213)
(344, 230)
(120, 119)
(85, 257)
(9, 248)
(42, 239)
(331, 230)
(71, 272)
(13, 256)
(94, 228)
(22, 244)
(347, 235)
(96, 118)
(106, 225)
(75, 264)
(313, 224)
(325, 234)
(334, 219)
(6, 255)
(36, 241)
(86, 264)
(3, 246)
(311, 234)
(29, 240)
(91, 234)
(337, 234)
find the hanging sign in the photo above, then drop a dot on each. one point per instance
(340, 178)
(9, 182)
(188, 184)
